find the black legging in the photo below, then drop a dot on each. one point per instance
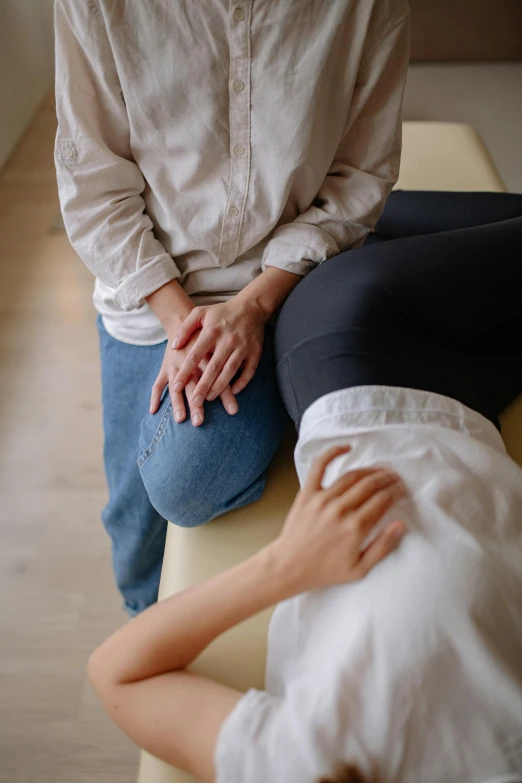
(432, 301)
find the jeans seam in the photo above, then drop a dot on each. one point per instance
(144, 456)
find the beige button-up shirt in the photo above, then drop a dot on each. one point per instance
(204, 141)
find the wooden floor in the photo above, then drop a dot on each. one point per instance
(57, 598)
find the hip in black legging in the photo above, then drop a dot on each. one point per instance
(432, 301)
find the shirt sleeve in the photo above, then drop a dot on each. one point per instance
(365, 167)
(266, 738)
(100, 185)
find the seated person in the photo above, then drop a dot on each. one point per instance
(396, 645)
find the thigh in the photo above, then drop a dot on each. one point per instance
(454, 286)
(425, 312)
(413, 213)
(194, 474)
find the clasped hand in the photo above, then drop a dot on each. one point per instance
(213, 344)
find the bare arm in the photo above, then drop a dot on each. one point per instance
(171, 305)
(270, 290)
(139, 673)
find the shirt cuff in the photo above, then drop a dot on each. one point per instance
(299, 247)
(133, 289)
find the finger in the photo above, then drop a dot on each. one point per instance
(249, 370)
(369, 514)
(227, 373)
(212, 370)
(229, 401)
(316, 473)
(199, 351)
(178, 406)
(366, 488)
(193, 321)
(227, 398)
(157, 390)
(384, 544)
(348, 480)
(196, 411)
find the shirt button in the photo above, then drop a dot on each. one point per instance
(239, 150)
(239, 86)
(233, 212)
(239, 14)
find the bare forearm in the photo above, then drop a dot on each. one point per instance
(270, 289)
(171, 305)
(172, 633)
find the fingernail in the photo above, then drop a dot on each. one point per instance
(211, 396)
(151, 410)
(197, 419)
(179, 415)
(175, 342)
(198, 401)
(232, 409)
(399, 531)
(178, 387)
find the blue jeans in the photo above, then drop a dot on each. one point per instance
(158, 470)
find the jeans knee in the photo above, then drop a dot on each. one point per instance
(175, 496)
(193, 474)
(189, 495)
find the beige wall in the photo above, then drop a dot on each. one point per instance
(466, 30)
(26, 65)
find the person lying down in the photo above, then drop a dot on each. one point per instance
(395, 649)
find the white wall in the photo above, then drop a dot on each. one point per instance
(26, 65)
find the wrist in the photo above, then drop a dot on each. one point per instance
(269, 290)
(282, 571)
(171, 321)
(171, 305)
(249, 302)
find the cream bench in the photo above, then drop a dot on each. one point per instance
(436, 156)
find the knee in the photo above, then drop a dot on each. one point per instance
(193, 495)
(175, 492)
(189, 480)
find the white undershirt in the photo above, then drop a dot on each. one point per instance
(415, 673)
